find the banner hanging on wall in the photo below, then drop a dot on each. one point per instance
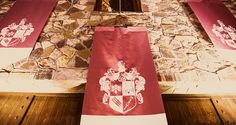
(21, 27)
(218, 22)
(122, 83)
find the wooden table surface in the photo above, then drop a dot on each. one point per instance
(65, 109)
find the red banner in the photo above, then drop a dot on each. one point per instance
(218, 22)
(21, 26)
(122, 83)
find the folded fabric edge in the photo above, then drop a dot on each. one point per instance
(155, 119)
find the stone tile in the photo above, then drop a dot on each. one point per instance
(46, 44)
(67, 74)
(186, 41)
(167, 53)
(36, 53)
(26, 65)
(56, 38)
(62, 61)
(79, 46)
(47, 63)
(55, 54)
(72, 42)
(79, 14)
(167, 75)
(47, 51)
(174, 20)
(227, 74)
(80, 62)
(65, 41)
(61, 43)
(68, 51)
(44, 74)
(88, 43)
(207, 76)
(81, 6)
(83, 53)
(189, 76)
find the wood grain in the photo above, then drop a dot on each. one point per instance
(190, 111)
(54, 110)
(226, 107)
(13, 108)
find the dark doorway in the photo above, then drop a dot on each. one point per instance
(118, 5)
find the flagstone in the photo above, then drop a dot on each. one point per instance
(62, 61)
(186, 41)
(77, 15)
(80, 6)
(79, 46)
(207, 76)
(47, 63)
(68, 51)
(47, 51)
(227, 73)
(64, 5)
(46, 44)
(174, 20)
(82, 2)
(167, 53)
(177, 40)
(80, 62)
(73, 42)
(55, 54)
(65, 74)
(175, 44)
(72, 9)
(67, 22)
(36, 53)
(44, 74)
(26, 64)
(56, 38)
(83, 53)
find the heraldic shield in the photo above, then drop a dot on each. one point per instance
(122, 88)
(14, 33)
(227, 34)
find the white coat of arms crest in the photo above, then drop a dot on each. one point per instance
(227, 34)
(122, 88)
(14, 34)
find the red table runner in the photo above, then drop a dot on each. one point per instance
(122, 83)
(21, 26)
(218, 22)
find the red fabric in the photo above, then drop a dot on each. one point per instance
(208, 12)
(130, 45)
(35, 12)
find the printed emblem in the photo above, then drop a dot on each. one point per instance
(122, 88)
(227, 34)
(14, 34)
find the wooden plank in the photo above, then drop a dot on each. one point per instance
(190, 111)
(226, 107)
(60, 109)
(13, 108)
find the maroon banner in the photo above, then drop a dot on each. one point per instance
(218, 22)
(21, 27)
(122, 83)
(22, 24)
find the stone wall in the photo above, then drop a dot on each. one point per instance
(182, 51)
